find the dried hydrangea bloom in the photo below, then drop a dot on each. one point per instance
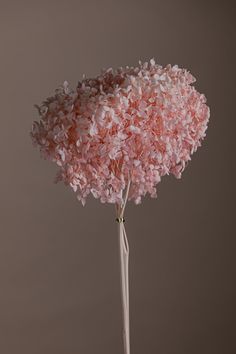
(138, 123)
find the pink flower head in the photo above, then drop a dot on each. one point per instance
(134, 123)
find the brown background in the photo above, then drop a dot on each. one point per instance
(59, 261)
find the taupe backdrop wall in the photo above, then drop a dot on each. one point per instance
(59, 262)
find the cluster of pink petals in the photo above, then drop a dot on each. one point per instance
(138, 123)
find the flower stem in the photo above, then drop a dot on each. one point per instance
(124, 272)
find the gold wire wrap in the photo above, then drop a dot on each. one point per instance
(120, 220)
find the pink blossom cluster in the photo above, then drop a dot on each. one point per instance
(134, 123)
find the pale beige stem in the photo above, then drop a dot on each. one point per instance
(124, 272)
